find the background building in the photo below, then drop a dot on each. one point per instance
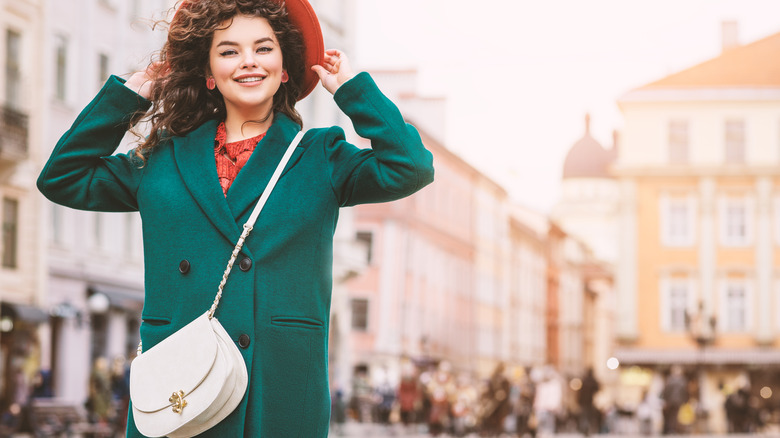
(700, 189)
(23, 321)
(587, 208)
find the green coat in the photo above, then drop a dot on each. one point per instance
(278, 293)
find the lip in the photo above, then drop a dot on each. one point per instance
(260, 80)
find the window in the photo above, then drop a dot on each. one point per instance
(678, 219)
(735, 221)
(129, 251)
(61, 67)
(678, 142)
(102, 69)
(56, 223)
(735, 141)
(676, 295)
(360, 314)
(735, 306)
(776, 220)
(366, 238)
(98, 230)
(13, 75)
(99, 339)
(135, 9)
(10, 232)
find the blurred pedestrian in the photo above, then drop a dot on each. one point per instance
(463, 407)
(408, 396)
(338, 414)
(495, 402)
(362, 402)
(120, 388)
(99, 399)
(646, 413)
(385, 400)
(589, 414)
(674, 395)
(42, 384)
(548, 402)
(738, 410)
(524, 405)
(440, 390)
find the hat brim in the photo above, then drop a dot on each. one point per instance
(303, 18)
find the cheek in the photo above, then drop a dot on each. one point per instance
(276, 63)
(219, 68)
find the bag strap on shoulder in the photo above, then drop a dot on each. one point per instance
(253, 218)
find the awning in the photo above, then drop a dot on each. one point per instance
(24, 312)
(127, 299)
(708, 356)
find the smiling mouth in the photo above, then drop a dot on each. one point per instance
(250, 79)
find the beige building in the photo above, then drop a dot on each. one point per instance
(699, 273)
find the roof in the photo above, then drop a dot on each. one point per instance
(587, 158)
(754, 65)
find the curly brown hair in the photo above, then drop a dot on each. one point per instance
(180, 100)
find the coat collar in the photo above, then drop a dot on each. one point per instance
(254, 176)
(194, 156)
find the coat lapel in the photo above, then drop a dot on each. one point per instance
(254, 176)
(194, 155)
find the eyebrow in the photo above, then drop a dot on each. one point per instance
(233, 43)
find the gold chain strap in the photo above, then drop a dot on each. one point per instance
(233, 256)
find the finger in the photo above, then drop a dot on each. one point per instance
(320, 70)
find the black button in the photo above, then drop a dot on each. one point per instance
(184, 266)
(245, 264)
(243, 341)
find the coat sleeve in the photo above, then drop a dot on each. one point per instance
(396, 165)
(81, 172)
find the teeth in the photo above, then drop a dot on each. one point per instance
(255, 79)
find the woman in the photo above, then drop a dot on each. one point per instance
(222, 113)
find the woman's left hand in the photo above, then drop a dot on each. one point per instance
(335, 70)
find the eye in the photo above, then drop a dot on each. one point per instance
(264, 49)
(227, 52)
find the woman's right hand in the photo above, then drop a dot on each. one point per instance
(141, 81)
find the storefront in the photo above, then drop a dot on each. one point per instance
(20, 352)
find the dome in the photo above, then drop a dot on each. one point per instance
(587, 158)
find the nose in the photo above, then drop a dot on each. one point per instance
(248, 60)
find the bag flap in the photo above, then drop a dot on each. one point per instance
(179, 362)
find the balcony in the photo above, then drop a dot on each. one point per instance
(14, 133)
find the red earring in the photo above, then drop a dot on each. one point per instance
(211, 83)
(285, 78)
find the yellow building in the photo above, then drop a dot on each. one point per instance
(698, 276)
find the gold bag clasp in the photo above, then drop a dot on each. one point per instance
(178, 401)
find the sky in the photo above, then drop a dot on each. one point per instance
(520, 75)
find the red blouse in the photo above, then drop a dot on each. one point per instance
(231, 157)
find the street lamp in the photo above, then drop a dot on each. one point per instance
(701, 328)
(702, 331)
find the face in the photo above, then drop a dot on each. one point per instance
(246, 62)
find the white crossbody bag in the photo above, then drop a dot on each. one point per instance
(195, 377)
